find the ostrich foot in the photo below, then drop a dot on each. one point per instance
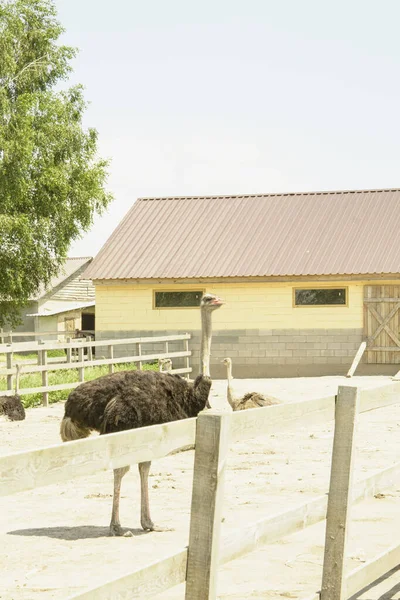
(148, 525)
(116, 530)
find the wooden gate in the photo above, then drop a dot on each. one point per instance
(382, 323)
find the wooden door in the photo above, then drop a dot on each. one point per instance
(382, 323)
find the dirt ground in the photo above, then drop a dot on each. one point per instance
(55, 540)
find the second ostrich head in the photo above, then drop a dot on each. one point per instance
(228, 363)
(209, 303)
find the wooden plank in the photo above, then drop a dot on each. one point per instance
(371, 356)
(212, 445)
(144, 583)
(357, 359)
(160, 576)
(62, 386)
(110, 359)
(384, 320)
(383, 349)
(379, 397)
(30, 333)
(81, 369)
(187, 364)
(9, 360)
(97, 362)
(39, 390)
(26, 346)
(373, 569)
(45, 377)
(274, 527)
(69, 349)
(339, 499)
(45, 466)
(382, 299)
(281, 417)
(182, 370)
(90, 349)
(306, 411)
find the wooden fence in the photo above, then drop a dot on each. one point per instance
(75, 359)
(10, 336)
(213, 432)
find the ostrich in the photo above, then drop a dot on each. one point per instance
(11, 406)
(131, 399)
(165, 365)
(249, 400)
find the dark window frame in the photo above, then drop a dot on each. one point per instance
(337, 305)
(155, 292)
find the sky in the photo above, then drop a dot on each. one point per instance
(227, 97)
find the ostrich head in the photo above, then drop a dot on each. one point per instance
(210, 302)
(227, 362)
(165, 364)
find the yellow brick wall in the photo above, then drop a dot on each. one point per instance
(248, 306)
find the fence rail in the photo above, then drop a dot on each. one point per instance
(45, 364)
(212, 433)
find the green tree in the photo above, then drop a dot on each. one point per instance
(51, 181)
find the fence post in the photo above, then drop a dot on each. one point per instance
(339, 499)
(212, 444)
(111, 355)
(45, 375)
(18, 369)
(90, 349)
(187, 361)
(9, 359)
(69, 350)
(139, 352)
(81, 358)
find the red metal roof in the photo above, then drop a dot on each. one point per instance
(324, 233)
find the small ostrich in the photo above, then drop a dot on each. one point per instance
(11, 406)
(249, 400)
(131, 399)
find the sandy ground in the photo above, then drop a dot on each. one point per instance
(54, 540)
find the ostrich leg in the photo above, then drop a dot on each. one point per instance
(145, 519)
(115, 525)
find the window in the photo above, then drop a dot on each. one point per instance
(320, 297)
(177, 299)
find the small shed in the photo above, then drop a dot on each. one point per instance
(66, 306)
(306, 277)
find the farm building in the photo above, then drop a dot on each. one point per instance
(305, 277)
(68, 304)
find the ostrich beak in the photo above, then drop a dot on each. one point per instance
(217, 302)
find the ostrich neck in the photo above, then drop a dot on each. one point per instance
(205, 347)
(230, 395)
(229, 372)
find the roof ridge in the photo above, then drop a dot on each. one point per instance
(79, 257)
(267, 195)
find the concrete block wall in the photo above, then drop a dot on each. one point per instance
(261, 352)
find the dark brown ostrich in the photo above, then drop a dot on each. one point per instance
(11, 407)
(131, 399)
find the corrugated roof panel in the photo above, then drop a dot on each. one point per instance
(324, 233)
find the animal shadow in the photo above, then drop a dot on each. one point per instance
(83, 532)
